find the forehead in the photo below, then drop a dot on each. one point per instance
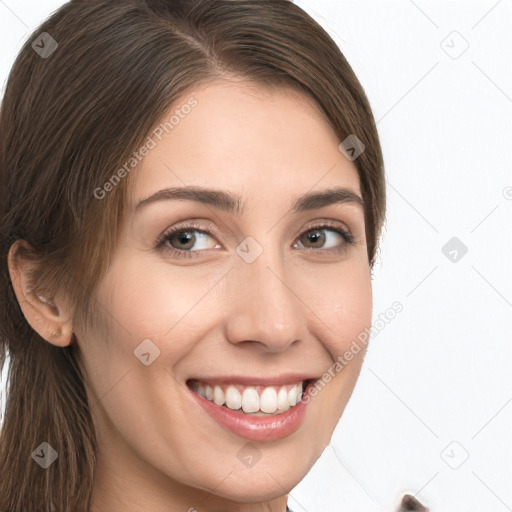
(258, 142)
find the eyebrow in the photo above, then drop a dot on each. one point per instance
(232, 203)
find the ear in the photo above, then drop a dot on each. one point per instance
(49, 317)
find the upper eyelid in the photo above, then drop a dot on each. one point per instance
(329, 223)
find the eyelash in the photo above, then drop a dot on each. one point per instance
(193, 226)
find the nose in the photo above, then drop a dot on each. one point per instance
(263, 308)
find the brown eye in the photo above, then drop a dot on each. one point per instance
(317, 237)
(178, 241)
(185, 237)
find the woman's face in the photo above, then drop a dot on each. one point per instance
(268, 300)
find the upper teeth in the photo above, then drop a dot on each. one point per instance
(252, 399)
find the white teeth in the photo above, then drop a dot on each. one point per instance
(273, 399)
(294, 395)
(233, 398)
(282, 400)
(268, 400)
(218, 395)
(250, 400)
(291, 397)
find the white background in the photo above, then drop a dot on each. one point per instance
(432, 412)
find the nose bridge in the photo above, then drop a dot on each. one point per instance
(264, 307)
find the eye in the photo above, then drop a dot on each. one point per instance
(179, 240)
(184, 236)
(317, 236)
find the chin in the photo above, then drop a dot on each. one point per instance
(273, 475)
(259, 485)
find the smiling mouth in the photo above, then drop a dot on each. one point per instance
(254, 400)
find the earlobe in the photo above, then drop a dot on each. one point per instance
(48, 317)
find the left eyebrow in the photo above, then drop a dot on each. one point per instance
(326, 197)
(232, 203)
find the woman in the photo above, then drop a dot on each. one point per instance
(192, 198)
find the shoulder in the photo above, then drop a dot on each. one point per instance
(411, 504)
(408, 504)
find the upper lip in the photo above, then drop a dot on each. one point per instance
(274, 380)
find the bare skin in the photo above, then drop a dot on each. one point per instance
(294, 309)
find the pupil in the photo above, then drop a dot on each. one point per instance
(315, 236)
(185, 237)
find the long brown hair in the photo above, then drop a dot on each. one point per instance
(86, 89)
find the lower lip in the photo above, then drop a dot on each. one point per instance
(256, 428)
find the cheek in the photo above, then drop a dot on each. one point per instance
(160, 302)
(343, 301)
(154, 300)
(345, 308)
(135, 302)
(170, 307)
